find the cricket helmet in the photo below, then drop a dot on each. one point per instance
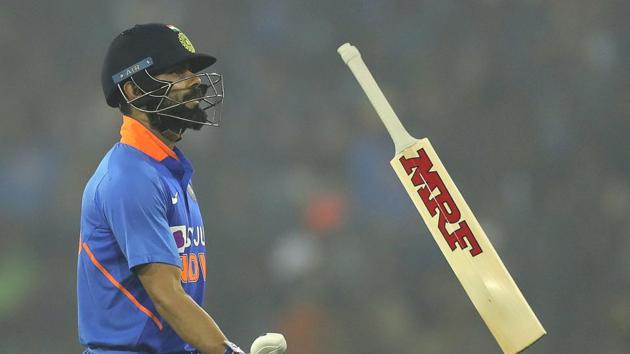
(144, 51)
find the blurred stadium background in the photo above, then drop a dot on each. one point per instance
(310, 233)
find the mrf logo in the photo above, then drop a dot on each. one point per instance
(438, 200)
(193, 264)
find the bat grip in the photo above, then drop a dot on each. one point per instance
(351, 56)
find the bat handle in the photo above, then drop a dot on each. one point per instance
(351, 56)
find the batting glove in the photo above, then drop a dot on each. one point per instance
(270, 343)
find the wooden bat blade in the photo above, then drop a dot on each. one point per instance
(467, 249)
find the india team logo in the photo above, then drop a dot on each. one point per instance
(180, 236)
(183, 39)
(185, 42)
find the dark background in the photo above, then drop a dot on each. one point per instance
(309, 231)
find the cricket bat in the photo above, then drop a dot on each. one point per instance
(457, 232)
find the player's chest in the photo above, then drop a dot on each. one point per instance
(186, 226)
(182, 206)
(184, 218)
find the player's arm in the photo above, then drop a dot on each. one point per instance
(136, 208)
(163, 284)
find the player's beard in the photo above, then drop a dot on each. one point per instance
(194, 114)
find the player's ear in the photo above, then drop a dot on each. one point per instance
(131, 90)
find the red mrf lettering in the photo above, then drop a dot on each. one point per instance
(438, 200)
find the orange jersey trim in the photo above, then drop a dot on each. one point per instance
(133, 133)
(122, 289)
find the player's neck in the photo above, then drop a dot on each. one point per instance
(143, 118)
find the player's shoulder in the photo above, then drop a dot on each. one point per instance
(128, 168)
(131, 162)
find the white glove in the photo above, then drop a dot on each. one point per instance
(270, 343)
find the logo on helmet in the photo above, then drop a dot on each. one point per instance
(183, 39)
(185, 42)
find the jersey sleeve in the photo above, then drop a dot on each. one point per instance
(135, 208)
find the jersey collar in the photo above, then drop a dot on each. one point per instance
(134, 134)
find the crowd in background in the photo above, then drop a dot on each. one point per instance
(309, 231)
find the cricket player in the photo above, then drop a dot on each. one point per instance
(142, 256)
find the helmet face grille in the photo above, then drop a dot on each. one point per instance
(154, 97)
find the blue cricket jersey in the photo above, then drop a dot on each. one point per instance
(137, 208)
